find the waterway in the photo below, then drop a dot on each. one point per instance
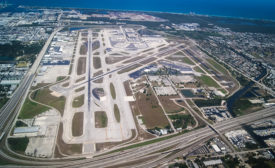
(237, 95)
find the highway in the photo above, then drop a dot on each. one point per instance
(10, 110)
(182, 141)
(7, 112)
(185, 139)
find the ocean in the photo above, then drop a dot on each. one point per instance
(254, 9)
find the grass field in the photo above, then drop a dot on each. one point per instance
(208, 81)
(79, 89)
(127, 88)
(18, 144)
(198, 69)
(182, 120)
(97, 62)
(169, 105)
(117, 113)
(80, 79)
(66, 84)
(133, 59)
(129, 68)
(81, 66)
(3, 101)
(5, 162)
(31, 109)
(78, 101)
(223, 91)
(243, 106)
(83, 49)
(187, 61)
(147, 61)
(59, 78)
(108, 145)
(67, 149)
(100, 80)
(77, 124)
(21, 64)
(39, 85)
(112, 60)
(113, 91)
(95, 45)
(20, 124)
(152, 113)
(217, 66)
(44, 96)
(101, 119)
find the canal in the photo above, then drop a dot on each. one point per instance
(237, 95)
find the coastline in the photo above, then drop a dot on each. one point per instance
(162, 12)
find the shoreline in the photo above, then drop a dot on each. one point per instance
(162, 12)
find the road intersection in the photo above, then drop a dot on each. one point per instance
(127, 153)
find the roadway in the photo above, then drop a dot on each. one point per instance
(182, 141)
(23, 88)
(8, 112)
(185, 140)
(245, 75)
(10, 109)
(127, 155)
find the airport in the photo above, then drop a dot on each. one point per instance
(124, 95)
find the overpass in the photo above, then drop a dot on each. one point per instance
(129, 153)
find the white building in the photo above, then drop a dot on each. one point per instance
(212, 162)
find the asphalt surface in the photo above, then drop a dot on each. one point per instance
(8, 112)
(183, 140)
(89, 70)
(136, 153)
(126, 66)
